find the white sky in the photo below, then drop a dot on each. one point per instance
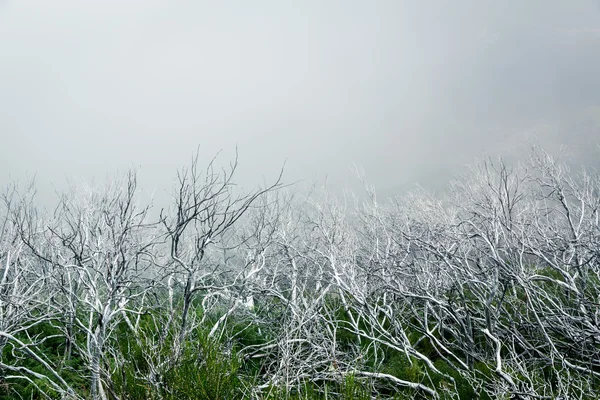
(410, 90)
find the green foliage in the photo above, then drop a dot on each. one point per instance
(214, 368)
(204, 372)
(53, 347)
(348, 387)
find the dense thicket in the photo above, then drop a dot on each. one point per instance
(490, 290)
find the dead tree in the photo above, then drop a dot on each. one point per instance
(200, 230)
(101, 247)
(24, 295)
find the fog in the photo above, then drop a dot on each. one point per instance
(411, 91)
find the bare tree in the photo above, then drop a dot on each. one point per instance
(501, 277)
(492, 287)
(202, 269)
(24, 294)
(101, 247)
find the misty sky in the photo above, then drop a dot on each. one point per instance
(409, 90)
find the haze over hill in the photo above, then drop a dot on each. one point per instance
(409, 90)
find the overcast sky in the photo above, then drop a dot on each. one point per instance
(409, 90)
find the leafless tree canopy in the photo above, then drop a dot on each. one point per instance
(489, 290)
